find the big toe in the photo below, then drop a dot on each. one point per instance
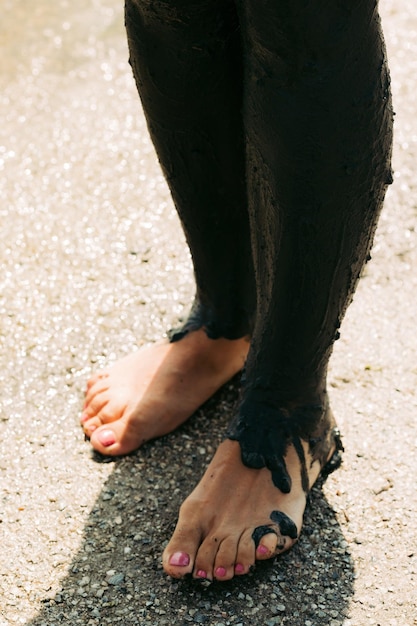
(115, 439)
(179, 556)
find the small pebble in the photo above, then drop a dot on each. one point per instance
(116, 579)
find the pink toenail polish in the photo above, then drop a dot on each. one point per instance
(179, 558)
(220, 572)
(106, 438)
(201, 573)
(262, 550)
(239, 568)
(84, 417)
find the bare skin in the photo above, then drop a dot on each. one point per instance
(213, 536)
(150, 393)
(153, 391)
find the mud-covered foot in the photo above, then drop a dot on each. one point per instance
(151, 392)
(236, 515)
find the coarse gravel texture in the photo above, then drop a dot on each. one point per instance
(94, 264)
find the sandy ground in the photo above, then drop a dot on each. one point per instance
(93, 264)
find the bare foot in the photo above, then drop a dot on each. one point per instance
(151, 392)
(236, 516)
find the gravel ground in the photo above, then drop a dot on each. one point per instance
(93, 265)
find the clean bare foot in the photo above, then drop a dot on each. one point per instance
(236, 516)
(151, 392)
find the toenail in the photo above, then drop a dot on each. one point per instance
(201, 573)
(262, 550)
(220, 572)
(106, 438)
(179, 558)
(239, 568)
(84, 417)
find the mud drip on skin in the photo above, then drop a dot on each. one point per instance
(264, 435)
(286, 527)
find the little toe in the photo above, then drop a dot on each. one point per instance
(284, 543)
(96, 377)
(267, 546)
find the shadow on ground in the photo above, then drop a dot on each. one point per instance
(116, 577)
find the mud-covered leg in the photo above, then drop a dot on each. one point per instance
(318, 124)
(187, 62)
(186, 59)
